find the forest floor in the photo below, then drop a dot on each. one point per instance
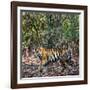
(52, 69)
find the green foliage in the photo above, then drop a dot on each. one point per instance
(48, 29)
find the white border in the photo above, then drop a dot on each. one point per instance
(81, 53)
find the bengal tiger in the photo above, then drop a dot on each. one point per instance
(53, 55)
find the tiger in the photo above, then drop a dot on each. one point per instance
(51, 55)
